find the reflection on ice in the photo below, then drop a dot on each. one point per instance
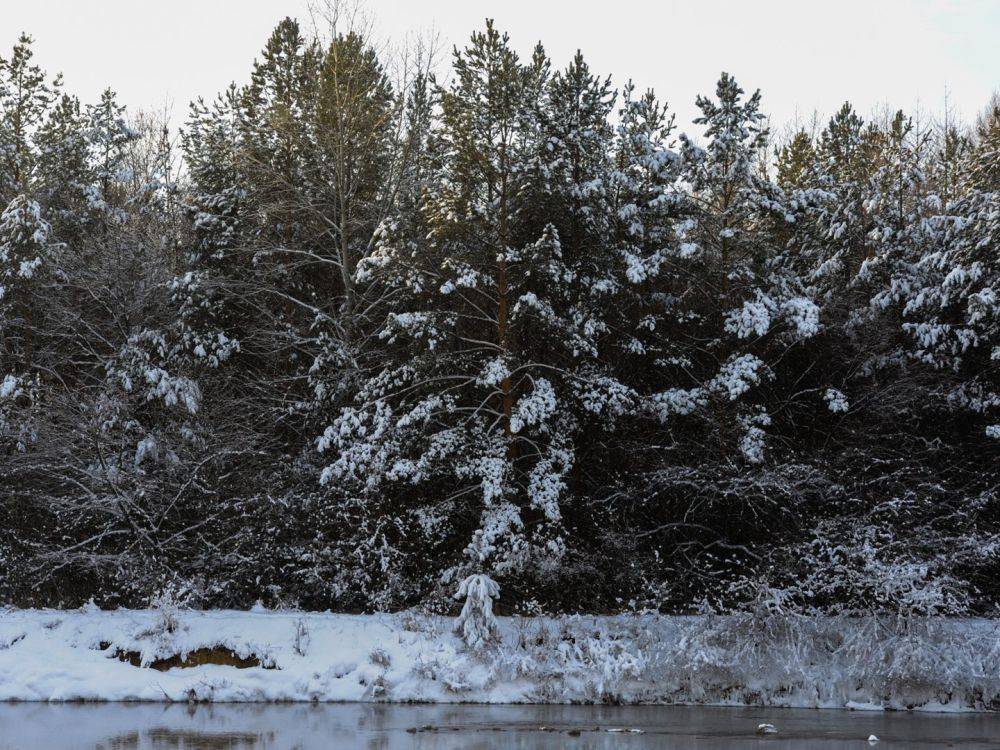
(146, 726)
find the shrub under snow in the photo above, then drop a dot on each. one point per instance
(477, 624)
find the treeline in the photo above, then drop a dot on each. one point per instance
(363, 334)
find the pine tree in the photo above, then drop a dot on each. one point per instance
(64, 170)
(25, 98)
(756, 306)
(213, 319)
(355, 129)
(273, 116)
(796, 162)
(947, 285)
(443, 416)
(24, 247)
(984, 161)
(108, 139)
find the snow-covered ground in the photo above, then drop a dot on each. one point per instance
(942, 665)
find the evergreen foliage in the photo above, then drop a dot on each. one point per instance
(366, 338)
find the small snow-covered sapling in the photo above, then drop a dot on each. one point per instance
(477, 625)
(302, 637)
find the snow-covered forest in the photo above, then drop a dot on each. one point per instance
(363, 328)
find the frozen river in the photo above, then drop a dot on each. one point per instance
(147, 726)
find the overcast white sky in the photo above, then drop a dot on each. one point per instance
(804, 55)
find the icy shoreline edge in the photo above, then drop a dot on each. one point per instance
(285, 656)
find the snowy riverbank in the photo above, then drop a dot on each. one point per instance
(49, 655)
